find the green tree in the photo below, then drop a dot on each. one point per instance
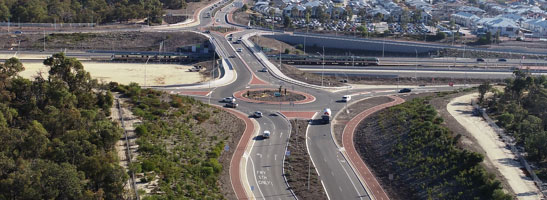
(483, 88)
(287, 22)
(11, 67)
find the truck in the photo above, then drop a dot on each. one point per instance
(326, 115)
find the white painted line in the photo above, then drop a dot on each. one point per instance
(350, 179)
(256, 181)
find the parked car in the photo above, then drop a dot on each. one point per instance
(231, 56)
(502, 60)
(257, 114)
(480, 60)
(239, 50)
(405, 90)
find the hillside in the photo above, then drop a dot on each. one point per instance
(409, 144)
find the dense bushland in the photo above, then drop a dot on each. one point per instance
(56, 140)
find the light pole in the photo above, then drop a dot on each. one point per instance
(323, 71)
(416, 69)
(384, 46)
(145, 70)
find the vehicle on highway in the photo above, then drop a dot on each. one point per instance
(266, 134)
(329, 60)
(231, 56)
(326, 115)
(207, 31)
(218, 20)
(480, 60)
(257, 114)
(239, 50)
(502, 60)
(405, 90)
(18, 32)
(229, 100)
(238, 40)
(231, 105)
(263, 70)
(346, 98)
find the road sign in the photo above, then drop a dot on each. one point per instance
(226, 148)
(252, 188)
(288, 153)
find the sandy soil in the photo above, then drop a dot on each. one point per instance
(496, 152)
(125, 73)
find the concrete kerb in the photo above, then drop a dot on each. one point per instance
(273, 69)
(285, 155)
(239, 95)
(243, 162)
(314, 166)
(346, 156)
(336, 115)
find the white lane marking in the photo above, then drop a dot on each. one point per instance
(280, 134)
(254, 174)
(350, 179)
(340, 188)
(275, 156)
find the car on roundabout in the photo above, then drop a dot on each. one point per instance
(257, 114)
(405, 90)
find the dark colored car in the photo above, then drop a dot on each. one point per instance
(405, 90)
(502, 60)
(480, 60)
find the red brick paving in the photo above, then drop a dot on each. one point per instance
(377, 192)
(257, 81)
(235, 176)
(298, 114)
(239, 95)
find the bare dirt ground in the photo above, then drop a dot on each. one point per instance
(268, 95)
(129, 123)
(272, 46)
(190, 8)
(241, 17)
(125, 73)
(495, 150)
(354, 108)
(119, 41)
(298, 164)
(307, 77)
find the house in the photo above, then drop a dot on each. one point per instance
(294, 10)
(379, 10)
(314, 6)
(505, 27)
(472, 10)
(538, 27)
(464, 19)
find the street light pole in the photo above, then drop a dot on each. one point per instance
(416, 69)
(323, 71)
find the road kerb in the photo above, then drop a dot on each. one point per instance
(239, 184)
(358, 165)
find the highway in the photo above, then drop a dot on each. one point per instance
(264, 160)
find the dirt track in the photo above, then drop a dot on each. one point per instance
(495, 151)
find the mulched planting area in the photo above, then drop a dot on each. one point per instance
(268, 95)
(298, 164)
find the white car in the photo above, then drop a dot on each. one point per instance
(229, 99)
(257, 114)
(239, 50)
(266, 134)
(346, 98)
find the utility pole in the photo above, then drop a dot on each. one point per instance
(44, 40)
(384, 46)
(416, 70)
(145, 70)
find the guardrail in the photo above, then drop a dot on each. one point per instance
(120, 112)
(509, 140)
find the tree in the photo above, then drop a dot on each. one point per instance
(244, 7)
(11, 67)
(483, 88)
(536, 146)
(287, 22)
(308, 14)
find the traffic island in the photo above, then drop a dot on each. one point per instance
(274, 96)
(299, 170)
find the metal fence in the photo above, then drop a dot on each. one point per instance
(133, 183)
(59, 25)
(510, 141)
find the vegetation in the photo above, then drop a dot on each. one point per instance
(85, 11)
(521, 109)
(56, 140)
(424, 153)
(180, 141)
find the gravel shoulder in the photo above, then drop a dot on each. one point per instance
(494, 149)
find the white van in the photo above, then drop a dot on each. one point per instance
(346, 98)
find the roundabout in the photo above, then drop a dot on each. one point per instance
(274, 96)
